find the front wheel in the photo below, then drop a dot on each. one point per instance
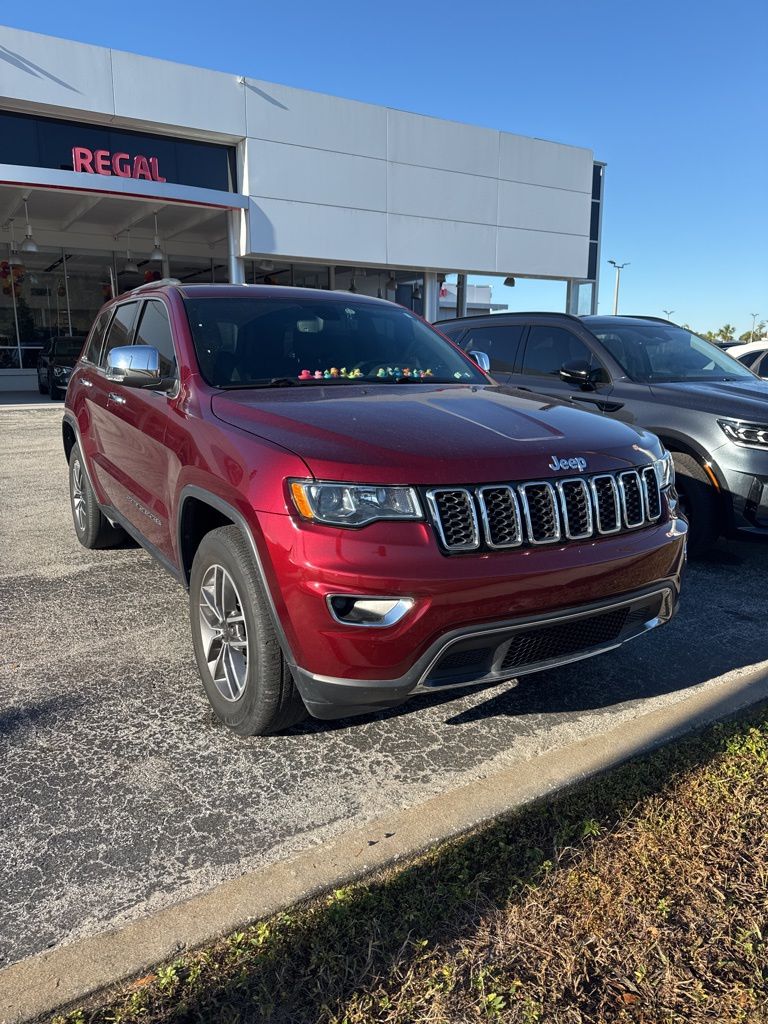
(92, 527)
(244, 673)
(42, 388)
(699, 503)
(53, 392)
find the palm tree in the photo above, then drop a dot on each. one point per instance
(726, 333)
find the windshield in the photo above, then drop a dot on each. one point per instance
(67, 348)
(255, 342)
(656, 352)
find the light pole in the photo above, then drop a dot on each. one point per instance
(668, 313)
(752, 333)
(619, 267)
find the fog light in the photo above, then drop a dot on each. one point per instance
(352, 610)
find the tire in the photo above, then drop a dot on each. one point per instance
(53, 391)
(699, 503)
(42, 388)
(253, 693)
(92, 527)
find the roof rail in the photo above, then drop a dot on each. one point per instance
(154, 284)
(642, 316)
(510, 312)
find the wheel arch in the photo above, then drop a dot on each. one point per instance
(201, 511)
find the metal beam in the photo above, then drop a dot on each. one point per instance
(195, 220)
(144, 211)
(79, 211)
(14, 206)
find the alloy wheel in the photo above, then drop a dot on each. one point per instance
(78, 495)
(224, 632)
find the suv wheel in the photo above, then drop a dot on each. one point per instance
(42, 388)
(92, 527)
(698, 501)
(53, 391)
(245, 676)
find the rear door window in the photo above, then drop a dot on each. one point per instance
(120, 330)
(155, 330)
(549, 349)
(500, 343)
(96, 337)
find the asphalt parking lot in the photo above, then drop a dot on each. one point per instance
(119, 794)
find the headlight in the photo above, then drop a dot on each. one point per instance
(352, 505)
(61, 371)
(748, 435)
(665, 470)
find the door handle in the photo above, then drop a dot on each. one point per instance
(114, 397)
(86, 383)
(603, 404)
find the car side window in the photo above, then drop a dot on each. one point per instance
(120, 329)
(96, 337)
(761, 366)
(454, 333)
(155, 329)
(549, 348)
(500, 343)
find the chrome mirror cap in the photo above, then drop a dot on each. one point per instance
(135, 366)
(481, 358)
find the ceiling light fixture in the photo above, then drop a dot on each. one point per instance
(29, 244)
(157, 255)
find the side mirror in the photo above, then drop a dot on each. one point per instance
(135, 366)
(580, 373)
(482, 360)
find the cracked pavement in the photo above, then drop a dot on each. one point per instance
(119, 792)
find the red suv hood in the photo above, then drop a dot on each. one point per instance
(428, 434)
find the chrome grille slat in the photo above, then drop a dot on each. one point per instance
(576, 508)
(652, 493)
(500, 513)
(632, 504)
(606, 494)
(536, 512)
(539, 503)
(453, 512)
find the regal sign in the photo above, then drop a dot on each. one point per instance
(123, 165)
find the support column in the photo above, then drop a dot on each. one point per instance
(234, 263)
(430, 296)
(461, 295)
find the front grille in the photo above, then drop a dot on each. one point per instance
(563, 639)
(542, 512)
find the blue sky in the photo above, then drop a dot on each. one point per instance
(672, 95)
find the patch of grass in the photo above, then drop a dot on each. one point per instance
(641, 896)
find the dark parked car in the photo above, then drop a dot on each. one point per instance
(708, 410)
(55, 364)
(358, 511)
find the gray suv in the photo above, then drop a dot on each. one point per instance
(710, 411)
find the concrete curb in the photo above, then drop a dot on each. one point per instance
(44, 983)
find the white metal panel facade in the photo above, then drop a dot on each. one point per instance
(331, 179)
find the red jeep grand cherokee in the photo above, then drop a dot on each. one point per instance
(359, 512)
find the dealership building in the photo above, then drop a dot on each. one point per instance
(116, 169)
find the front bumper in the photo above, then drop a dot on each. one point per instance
(745, 478)
(497, 652)
(482, 597)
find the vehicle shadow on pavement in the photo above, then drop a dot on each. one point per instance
(14, 720)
